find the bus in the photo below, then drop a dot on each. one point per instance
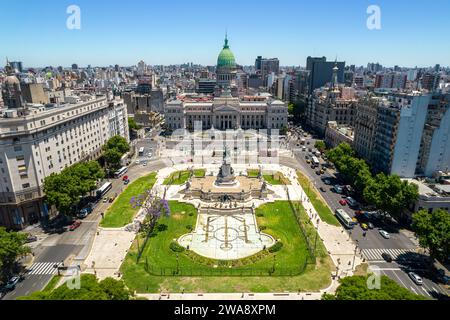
(315, 160)
(344, 218)
(104, 189)
(141, 151)
(120, 172)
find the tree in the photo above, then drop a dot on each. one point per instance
(113, 150)
(342, 150)
(391, 194)
(90, 289)
(320, 145)
(132, 125)
(117, 142)
(12, 246)
(356, 288)
(63, 190)
(433, 230)
(112, 158)
(115, 289)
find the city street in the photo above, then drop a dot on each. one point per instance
(72, 247)
(401, 244)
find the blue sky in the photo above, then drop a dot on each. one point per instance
(413, 32)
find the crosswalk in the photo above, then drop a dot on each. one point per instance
(396, 254)
(44, 268)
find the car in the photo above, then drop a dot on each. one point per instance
(327, 182)
(322, 171)
(384, 234)
(138, 161)
(105, 200)
(307, 142)
(126, 182)
(342, 202)
(74, 225)
(415, 278)
(11, 284)
(338, 189)
(370, 225)
(31, 238)
(308, 161)
(322, 189)
(125, 178)
(351, 202)
(364, 226)
(387, 257)
(318, 172)
(144, 164)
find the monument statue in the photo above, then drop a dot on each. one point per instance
(226, 173)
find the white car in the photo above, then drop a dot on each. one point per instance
(138, 161)
(384, 234)
(415, 278)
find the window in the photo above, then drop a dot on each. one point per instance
(19, 158)
(26, 185)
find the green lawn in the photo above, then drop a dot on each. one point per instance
(277, 178)
(180, 177)
(52, 283)
(279, 221)
(121, 211)
(317, 201)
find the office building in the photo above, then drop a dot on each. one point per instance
(38, 140)
(321, 72)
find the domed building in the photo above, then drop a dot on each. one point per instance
(226, 71)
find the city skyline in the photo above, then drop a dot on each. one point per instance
(180, 35)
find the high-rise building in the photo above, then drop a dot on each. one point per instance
(404, 133)
(74, 66)
(321, 72)
(34, 93)
(430, 81)
(17, 65)
(392, 80)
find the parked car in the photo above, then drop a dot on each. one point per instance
(327, 181)
(138, 161)
(370, 225)
(342, 202)
(415, 278)
(322, 189)
(126, 182)
(351, 202)
(31, 238)
(318, 172)
(338, 189)
(387, 257)
(105, 200)
(308, 161)
(384, 234)
(11, 284)
(125, 178)
(74, 225)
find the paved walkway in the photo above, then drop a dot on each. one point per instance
(111, 245)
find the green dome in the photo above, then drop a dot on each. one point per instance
(226, 57)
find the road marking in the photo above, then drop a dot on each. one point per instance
(375, 254)
(426, 292)
(43, 268)
(395, 274)
(414, 290)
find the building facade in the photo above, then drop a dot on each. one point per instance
(39, 140)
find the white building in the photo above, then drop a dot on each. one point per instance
(227, 112)
(38, 140)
